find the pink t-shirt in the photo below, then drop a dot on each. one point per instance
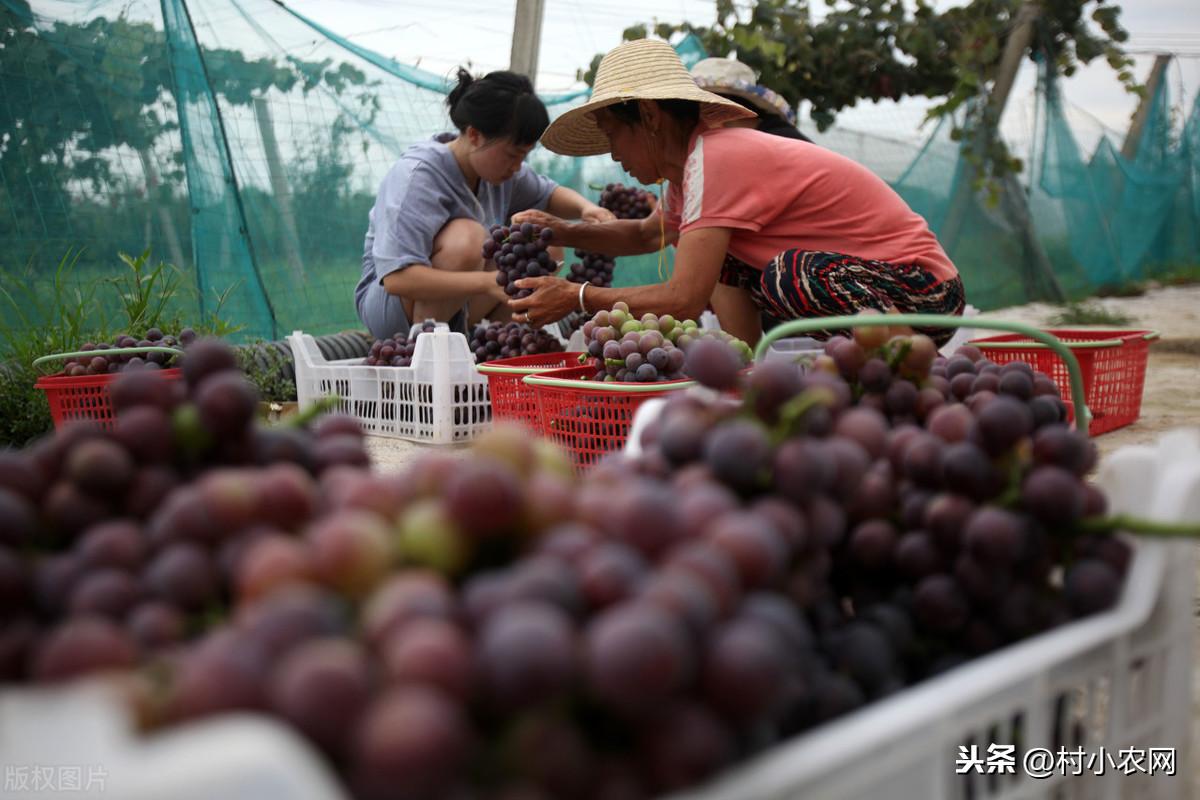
(780, 194)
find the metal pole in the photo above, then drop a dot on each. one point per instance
(526, 38)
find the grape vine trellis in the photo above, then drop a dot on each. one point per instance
(876, 49)
(112, 88)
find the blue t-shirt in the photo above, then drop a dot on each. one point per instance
(423, 191)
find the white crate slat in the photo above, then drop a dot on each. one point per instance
(440, 399)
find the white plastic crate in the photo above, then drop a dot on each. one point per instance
(798, 350)
(439, 399)
(1117, 680)
(961, 335)
(80, 742)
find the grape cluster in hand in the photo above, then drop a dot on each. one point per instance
(511, 339)
(121, 362)
(593, 268)
(626, 202)
(398, 350)
(519, 251)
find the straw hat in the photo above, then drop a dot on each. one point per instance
(728, 76)
(645, 69)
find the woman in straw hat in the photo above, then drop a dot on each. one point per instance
(422, 254)
(819, 234)
(735, 81)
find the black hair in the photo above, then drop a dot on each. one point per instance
(685, 112)
(500, 105)
(778, 126)
(768, 123)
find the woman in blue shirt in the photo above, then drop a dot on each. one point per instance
(422, 257)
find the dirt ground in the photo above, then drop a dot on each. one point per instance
(1170, 400)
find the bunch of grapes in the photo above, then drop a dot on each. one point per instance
(493, 626)
(519, 252)
(398, 350)
(937, 530)
(626, 202)
(648, 350)
(903, 377)
(120, 362)
(113, 544)
(594, 268)
(511, 339)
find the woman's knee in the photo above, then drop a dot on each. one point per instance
(458, 246)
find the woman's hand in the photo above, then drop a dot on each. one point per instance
(489, 287)
(543, 219)
(552, 299)
(597, 214)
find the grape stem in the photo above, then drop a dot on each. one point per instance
(1011, 495)
(895, 355)
(321, 406)
(1140, 526)
(793, 411)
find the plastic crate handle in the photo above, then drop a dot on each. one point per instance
(1083, 417)
(111, 351)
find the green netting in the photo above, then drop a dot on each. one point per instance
(973, 237)
(244, 144)
(1134, 216)
(1080, 224)
(240, 141)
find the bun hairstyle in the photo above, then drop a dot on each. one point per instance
(500, 105)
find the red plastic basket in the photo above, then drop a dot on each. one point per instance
(1112, 364)
(86, 397)
(511, 399)
(590, 418)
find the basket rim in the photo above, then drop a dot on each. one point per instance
(86, 381)
(109, 351)
(509, 366)
(548, 378)
(1110, 337)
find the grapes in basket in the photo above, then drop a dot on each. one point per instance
(80, 366)
(647, 350)
(496, 340)
(519, 251)
(398, 350)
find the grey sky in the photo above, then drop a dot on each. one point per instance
(439, 34)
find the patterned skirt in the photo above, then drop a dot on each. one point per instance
(800, 284)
